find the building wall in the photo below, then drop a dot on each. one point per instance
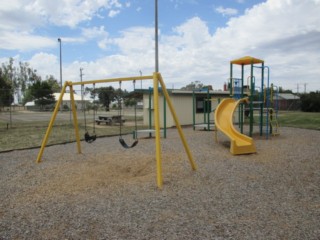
(183, 105)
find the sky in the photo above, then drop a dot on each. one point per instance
(197, 39)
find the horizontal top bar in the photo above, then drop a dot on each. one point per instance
(110, 80)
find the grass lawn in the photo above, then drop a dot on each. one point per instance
(300, 120)
(30, 134)
(26, 132)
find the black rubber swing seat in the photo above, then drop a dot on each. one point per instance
(88, 138)
(125, 145)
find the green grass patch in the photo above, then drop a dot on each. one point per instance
(308, 120)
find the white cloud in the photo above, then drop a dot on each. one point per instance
(97, 33)
(45, 64)
(135, 40)
(23, 14)
(226, 11)
(24, 41)
(19, 20)
(113, 13)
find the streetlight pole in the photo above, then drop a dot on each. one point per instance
(59, 40)
(156, 38)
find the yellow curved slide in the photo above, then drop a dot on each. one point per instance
(240, 143)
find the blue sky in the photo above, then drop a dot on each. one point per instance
(197, 38)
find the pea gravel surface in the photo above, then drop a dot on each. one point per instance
(108, 192)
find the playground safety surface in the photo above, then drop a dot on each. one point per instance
(110, 193)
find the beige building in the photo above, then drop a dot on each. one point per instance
(77, 99)
(189, 106)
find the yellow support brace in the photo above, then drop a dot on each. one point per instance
(53, 118)
(75, 119)
(174, 115)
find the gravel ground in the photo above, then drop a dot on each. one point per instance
(110, 193)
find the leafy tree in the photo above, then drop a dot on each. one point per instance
(310, 102)
(20, 77)
(132, 98)
(6, 92)
(42, 93)
(106, 95)
(282, 90)
(53, 83)
(193, 86)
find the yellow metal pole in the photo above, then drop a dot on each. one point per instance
(182, 137)
(112, 80)
(75, 119)
(54, 115)
(157, 128)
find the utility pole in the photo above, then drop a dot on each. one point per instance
(81, 74)
(305, 87)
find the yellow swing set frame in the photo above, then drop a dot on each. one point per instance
(157, 79)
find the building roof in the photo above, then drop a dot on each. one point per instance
(288, 96)
(187, 92)
(30, 104)
(66, 97)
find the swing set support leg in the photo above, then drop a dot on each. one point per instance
(53, 118)
(157, 78)
(75, 119)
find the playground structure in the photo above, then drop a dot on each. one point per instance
(157, 79)
(263, 99)
(260, 98)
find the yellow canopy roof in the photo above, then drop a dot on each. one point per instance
(246, 60)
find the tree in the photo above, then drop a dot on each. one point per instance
(53, 83)
(20, 77)
(193, 86)
(106, 95)
(42, 93)
(131, 99)
(6, 92)
(282, 90)
(310, 102)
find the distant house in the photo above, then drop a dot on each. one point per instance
(30, 105)
(65, 101)
(288, 101)
(77, 99)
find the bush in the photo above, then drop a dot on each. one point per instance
(310, 102)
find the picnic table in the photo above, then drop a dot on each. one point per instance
(110, 120)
